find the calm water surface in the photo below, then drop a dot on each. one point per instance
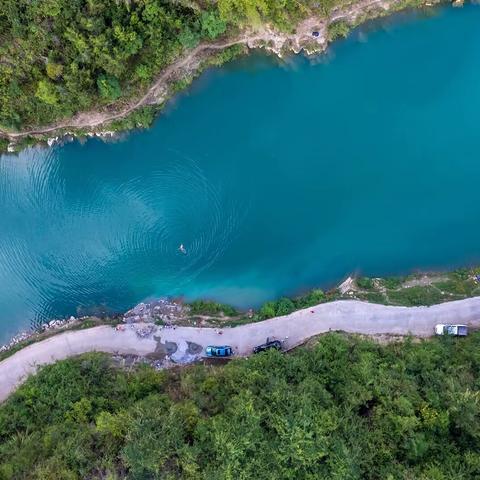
(275, 177)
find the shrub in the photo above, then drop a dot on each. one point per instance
(268, 310)
(284, 306)
(212, 25)
(310, 299)
(392, 282)
(364, 283)
(108, 87)
(338, 30)
(47, 93)
(202, 307)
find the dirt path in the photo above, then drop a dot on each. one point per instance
(190, 63)
(346, 315)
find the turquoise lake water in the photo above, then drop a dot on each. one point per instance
(275, 176)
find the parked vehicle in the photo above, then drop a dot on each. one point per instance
(455, 330)
(274, 344)
(219, 351)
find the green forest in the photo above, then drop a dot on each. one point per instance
(58, 57)
(340, 408)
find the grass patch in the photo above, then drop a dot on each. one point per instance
(203, 307)
(372, 297)
(392, 283)
(364, 283)
(462, 288)
(416, 296)
(237, 322)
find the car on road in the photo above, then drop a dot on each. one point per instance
(455, 330)
(274, 344)
(219, 351)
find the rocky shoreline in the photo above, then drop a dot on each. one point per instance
(50, 326)
(162, 311)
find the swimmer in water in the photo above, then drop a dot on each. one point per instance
(182, 249)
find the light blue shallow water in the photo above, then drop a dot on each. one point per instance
(275, 177)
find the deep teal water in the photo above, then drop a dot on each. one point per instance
(276, 177)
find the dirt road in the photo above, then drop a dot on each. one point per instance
(294, 329)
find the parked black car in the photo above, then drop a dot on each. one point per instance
(276, 344)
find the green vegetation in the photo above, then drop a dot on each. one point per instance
(373, 297)
(202, 307)
(345, 408)
(3, 144)
(392, 282)
(415, 296)
(364, 283)
(284, 306)
(460, 282)
(59, 57)
(140, 118)
(285, 14)
(418, 289)
(338, 29)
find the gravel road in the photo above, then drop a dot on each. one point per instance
(294, 329)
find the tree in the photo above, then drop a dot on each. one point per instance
(108, 87)
(243, 11)
(212, 25)
(47, 93)
(188, 38)
(54, 70)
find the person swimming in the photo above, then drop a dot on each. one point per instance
(182, 249)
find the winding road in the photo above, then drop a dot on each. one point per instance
(345, 315)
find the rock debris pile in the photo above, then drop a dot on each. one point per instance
(162, 310)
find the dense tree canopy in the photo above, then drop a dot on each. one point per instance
(343, 409)
(58, 57)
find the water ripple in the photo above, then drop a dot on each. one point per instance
(71, 245)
